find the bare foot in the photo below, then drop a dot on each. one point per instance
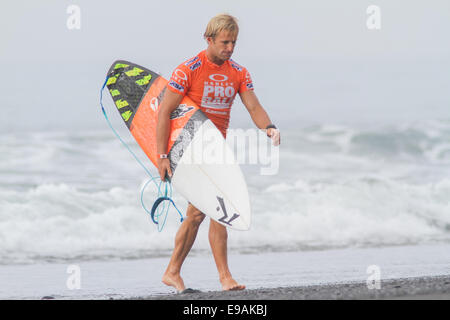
(231, 284)
(173, 280)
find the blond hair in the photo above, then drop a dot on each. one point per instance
(219, 23)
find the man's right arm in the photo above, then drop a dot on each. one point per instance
(169, 103)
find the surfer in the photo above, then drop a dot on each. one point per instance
(212, 80)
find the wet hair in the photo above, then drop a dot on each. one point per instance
(219, 23)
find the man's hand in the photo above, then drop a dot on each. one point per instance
(169, 103)
(274, 134)
(259, 115)
(163, 167)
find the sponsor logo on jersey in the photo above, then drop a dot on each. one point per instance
(223, 113)
(196, 65)
(235, 65)
(177, 86)
(249, 85)
(180, 74)
(191, 61)
(218, 95)
(218, 77)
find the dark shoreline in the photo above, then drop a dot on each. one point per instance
(436, 288)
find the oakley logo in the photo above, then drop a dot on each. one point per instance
(218, 77)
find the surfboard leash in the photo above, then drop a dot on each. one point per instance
(156, 212)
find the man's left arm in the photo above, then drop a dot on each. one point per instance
(259, 115)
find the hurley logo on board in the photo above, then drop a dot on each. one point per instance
(224, 210)
(180, 111)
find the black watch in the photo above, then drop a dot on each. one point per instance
(270, 126)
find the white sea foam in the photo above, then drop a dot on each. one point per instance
(66, 196)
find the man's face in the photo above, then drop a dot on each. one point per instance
(223, 45)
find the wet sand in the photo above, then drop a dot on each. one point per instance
(436, 288)
(405, 271)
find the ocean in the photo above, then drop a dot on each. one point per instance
(362, 176)
(69, 197)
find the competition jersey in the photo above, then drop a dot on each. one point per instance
(212, 87)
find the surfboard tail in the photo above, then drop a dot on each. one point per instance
(137, 93)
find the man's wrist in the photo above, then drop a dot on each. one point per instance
(162, 156)
(270, 126)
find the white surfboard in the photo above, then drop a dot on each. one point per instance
(204, 168)
(209, 176)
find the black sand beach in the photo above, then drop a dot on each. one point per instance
(436, 288)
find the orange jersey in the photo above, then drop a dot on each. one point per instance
(212, 87)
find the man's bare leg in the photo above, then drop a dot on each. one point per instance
(218, 240)
(184, 240)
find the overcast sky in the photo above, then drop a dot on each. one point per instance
(311, 61)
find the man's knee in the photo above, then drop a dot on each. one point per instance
(198, 217)
(195, 215)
